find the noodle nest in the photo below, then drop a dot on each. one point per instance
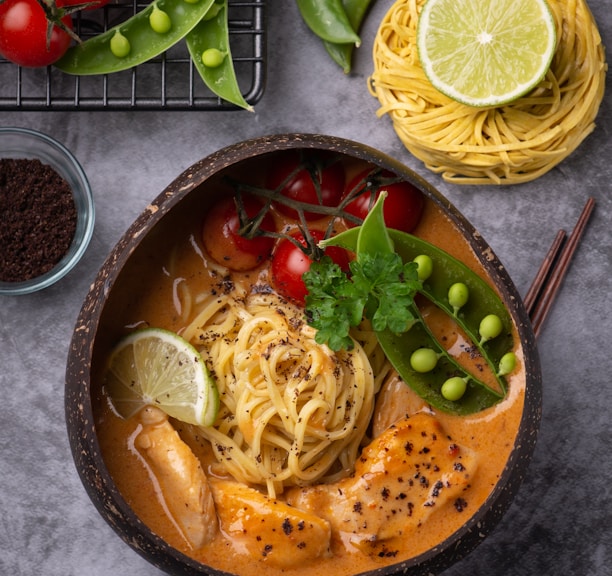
(509, 144)
(292, 411)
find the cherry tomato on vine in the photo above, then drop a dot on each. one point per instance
(289, 263)
(223, 242)
(403, 206)
(310, 177)
(23, 34)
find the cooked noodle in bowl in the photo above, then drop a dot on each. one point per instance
(508, 144)
(292, 411)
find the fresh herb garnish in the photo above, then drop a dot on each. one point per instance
(381, 288)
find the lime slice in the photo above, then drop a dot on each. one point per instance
(485, 52)
(157, 367)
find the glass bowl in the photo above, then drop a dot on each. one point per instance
(25, 143)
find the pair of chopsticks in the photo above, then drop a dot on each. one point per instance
(546, 284)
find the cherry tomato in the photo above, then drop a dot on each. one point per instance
(93, 4)
(317, 179)
(23, 34)
(403, 206)
(289, 263)
(223, 242)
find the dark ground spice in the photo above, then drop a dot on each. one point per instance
(37, 218)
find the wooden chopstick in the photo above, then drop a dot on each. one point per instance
(541, 278)
(547, 282)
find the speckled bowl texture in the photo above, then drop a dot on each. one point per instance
(89, 338)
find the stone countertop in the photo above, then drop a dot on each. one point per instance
(560, 522)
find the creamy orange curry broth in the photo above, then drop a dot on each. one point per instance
(490, 433)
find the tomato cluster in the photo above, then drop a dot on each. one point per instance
(24, 25)
(310, 179)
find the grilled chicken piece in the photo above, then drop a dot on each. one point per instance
(401, 478)
(184, 488)
(395, 401)
(269, 529)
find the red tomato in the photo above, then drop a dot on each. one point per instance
(225, 245)
(93, 4)
(23, 34)
(317, 179)
(289, 263)
(403, 205)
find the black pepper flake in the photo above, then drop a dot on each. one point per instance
(460, 504)
(38, 216)
(287, 526)
(266, 550)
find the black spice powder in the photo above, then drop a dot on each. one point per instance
(37, 218)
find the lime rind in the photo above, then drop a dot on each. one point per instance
(486, 52)
(157, 367)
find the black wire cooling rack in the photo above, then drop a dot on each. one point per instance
(169, 82)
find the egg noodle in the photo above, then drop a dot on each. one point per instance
(292, 411)
(509, 144)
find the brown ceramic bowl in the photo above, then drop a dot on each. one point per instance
(97, 328)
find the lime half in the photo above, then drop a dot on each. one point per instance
(157, 367)
(485, 52)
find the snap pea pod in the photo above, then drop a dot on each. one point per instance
(328, 20)
(209, 48)
(446, 271)
(136, 40)
(399, 349)
(342, 54)
(482, 299)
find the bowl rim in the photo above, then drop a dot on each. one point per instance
(85, 225)
(79, 412)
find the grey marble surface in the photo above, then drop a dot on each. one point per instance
(560, 523)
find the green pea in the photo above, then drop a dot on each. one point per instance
(454, 388)
(212, 57)
(423, 360)
(424, 266)
(507, 363)
(120, 45)
(458, 295)
(159, 20)
(490, 327)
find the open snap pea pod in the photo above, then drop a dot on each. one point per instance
(342, 54)
(428, 385)
(481, 302)
(328, 20)
(209, 48)
(134, 41)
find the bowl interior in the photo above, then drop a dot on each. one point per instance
(128, 270)
(20, 143)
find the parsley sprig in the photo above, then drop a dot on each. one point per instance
(380, 288)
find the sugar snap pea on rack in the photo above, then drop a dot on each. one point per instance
(460, 293)
(342, 54)
(209, 47)
(328, 20)
(145, 35)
